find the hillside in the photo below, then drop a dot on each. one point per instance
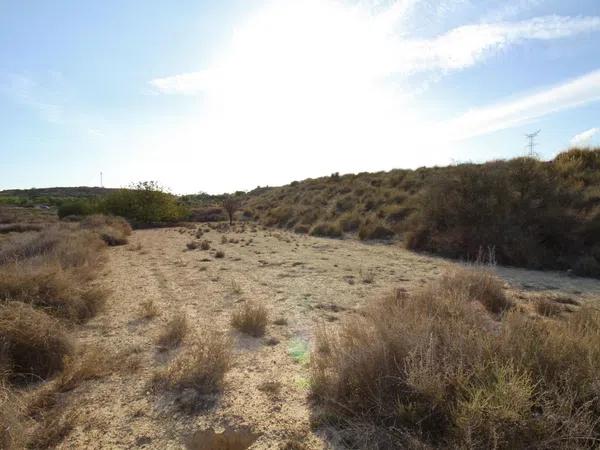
(523, 212)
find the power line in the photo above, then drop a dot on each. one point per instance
(531, 144)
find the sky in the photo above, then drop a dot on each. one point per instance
(218, 96)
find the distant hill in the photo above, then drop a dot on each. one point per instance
(59, 192)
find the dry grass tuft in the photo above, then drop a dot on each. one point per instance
(201, 366)
(250, 318)
(476, 284)
(173, 333)
(219, 254)
(547, 307)
(113, 230)
(33, 345)
(148, 309)
(192, 245)
(434, 370)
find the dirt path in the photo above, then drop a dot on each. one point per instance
(302, 279)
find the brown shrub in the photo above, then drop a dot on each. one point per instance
(250, 318)
(205, 245)
(33, 344)
(219, 254)
(301, 229)
(192, 245)
(19, 228)
(432, 370)
(201, 366)
(374, 230)
(325, 229)
(476, 284)
(174, 331)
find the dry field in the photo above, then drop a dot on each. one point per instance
(164, 292)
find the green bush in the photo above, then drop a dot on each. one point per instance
(145, 203)
(79, 207)
(518, 207)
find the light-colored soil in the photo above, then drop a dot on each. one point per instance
(303, 279)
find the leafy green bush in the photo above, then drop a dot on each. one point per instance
(145, 202)
(78, 207)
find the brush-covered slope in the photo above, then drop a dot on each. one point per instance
(524, 212)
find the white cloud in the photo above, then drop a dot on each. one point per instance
(585, 136)
(478, 121)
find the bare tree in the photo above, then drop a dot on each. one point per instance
(231, 204)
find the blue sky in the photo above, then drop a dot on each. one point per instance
(219, 96)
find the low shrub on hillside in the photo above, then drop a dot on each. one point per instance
(374, 230)
(326, 229)
(436, 370)
(520, 207)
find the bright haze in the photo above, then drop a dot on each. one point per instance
(222, 96)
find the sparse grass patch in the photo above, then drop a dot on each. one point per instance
(174, 331)
(205, 245)
(250, 318)
(367, 276)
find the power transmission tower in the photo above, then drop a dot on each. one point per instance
(101, 185)
(531, 144)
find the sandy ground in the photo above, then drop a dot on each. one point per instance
(303, 279)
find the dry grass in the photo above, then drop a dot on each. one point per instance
(205, 245)
(250, 318)
(148, 310)
(33, 345)
(477, 284)
(174, 332)
(435, 370)
(192, 245)
(113, 230)
(12, 430)
(48, 286)
(547, 307)
(219, 254)
(201, 366)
